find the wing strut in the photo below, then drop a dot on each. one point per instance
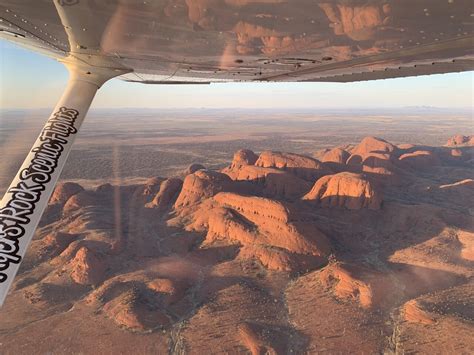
(28, 195)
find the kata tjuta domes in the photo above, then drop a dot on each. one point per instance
(347, 190)
(241, 254)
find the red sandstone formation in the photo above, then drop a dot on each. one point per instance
(172, 290)
(467, 245)
(347, 190)
(55, 243)
(87, 268)
(169, 190)
(280, 174)
(420, 159)
(193, 168)
(461, 154)
(265, 229)
(275, 182)
(414, 313)
(152, 186)
(304, 167)
(132, 311)
(347, 284)
(283, 232)
(373, 163)
(137, 301)
(200, 185)
(406, 146)
(80, 200)
(231, 270)
(373, 145)
(260, 340)
(373, 155)
(243, 157)
(336, 155)
(63, 191)
(460, 140)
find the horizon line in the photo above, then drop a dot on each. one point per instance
(254, 108)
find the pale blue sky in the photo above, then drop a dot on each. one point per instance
(30, 80)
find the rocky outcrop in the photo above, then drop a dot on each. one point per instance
(63, 191)
(152, 186)
(373, 145)
(274, 182)
(372, 163)
(255, 208)
(406, 146)
(459, 155)
(347, 190)
(336, 155)
(169, 190)
(87, 268)
(466, 240)
(80, 200)
(419, 160)
(346, 286)
(243, 157)
(456, 153)
(373, 155)
(262, 340)
(304, 167)
(201, 185)
(278, 174)
(44, 295)
(193, 168)
(132, 310)
(414, 313)
(265, 229)
(357, 284)
(137, 301)
(54, 244)
(460, 140)
(171, 290)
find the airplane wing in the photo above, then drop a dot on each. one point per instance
(210, 41)
(196, 41)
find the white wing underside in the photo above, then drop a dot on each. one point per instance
(202, 41)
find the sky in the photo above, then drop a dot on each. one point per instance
(29, 80)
